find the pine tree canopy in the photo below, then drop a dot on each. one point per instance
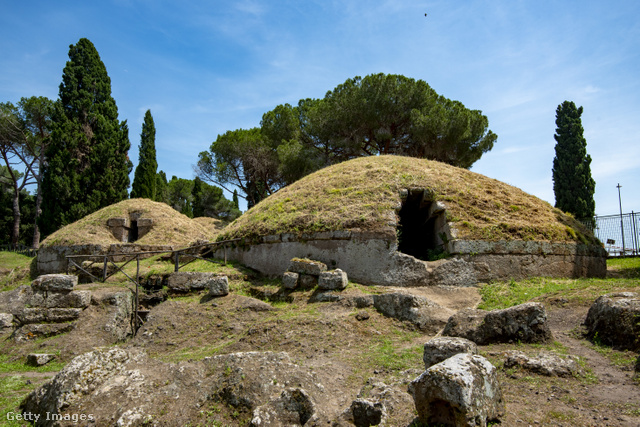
(87, 164)
(144, 180)
(573, 185)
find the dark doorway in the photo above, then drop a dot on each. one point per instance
(133, 231)
(417, 228)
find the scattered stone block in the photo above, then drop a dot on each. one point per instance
(367, 413)
(307, 266)
(35, 359)
(614, 319)
(54, 283)
(547, 364)
(333, 280)
(6, 321)
(526, 323)
(218, 286)
(442, 348)
(290, 280)
(294, 407)
(463, 390)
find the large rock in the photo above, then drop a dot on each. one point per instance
(124, 387)
(441, 348)
(375, 402)
(333, 280)
(294, 407)
(80, 377)
(543, 363)
(367, 413)
(525, 323)
(614, 319)
(307, 266)
(55, 283)
(463, 390)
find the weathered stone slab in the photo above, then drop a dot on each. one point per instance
(54, 283)
(28, 332)
(441, 348)
(614, 319)
(548, 364)
(420, 311)
(73, 299)
(525, 323)
(188, 281)
(290, 280)
(333, 280)
(39, 359)
(307, 266)
(463, 390)
(47, 315)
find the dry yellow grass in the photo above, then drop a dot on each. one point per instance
(363, 194)
(170, 226)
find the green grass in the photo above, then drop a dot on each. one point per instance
(499, 295)
(12, 390)
(8, 366)
(19, 270)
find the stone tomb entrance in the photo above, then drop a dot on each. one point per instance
(423, 231)
(128, 230)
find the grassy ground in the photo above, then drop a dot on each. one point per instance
(623, 275)
(14, 270)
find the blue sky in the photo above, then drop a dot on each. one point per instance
(205, 67)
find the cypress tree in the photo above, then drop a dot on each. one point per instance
(161, 188)
(235, 200)
(144, 180)
(573, 185)
(87, 164)
(196, 202)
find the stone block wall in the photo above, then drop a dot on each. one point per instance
(373, 260)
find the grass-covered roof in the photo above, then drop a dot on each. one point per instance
(170, 227)
(364, 193)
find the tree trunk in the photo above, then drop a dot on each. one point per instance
(36, 230)
(15, 232)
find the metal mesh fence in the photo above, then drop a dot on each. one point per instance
(619, 233)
